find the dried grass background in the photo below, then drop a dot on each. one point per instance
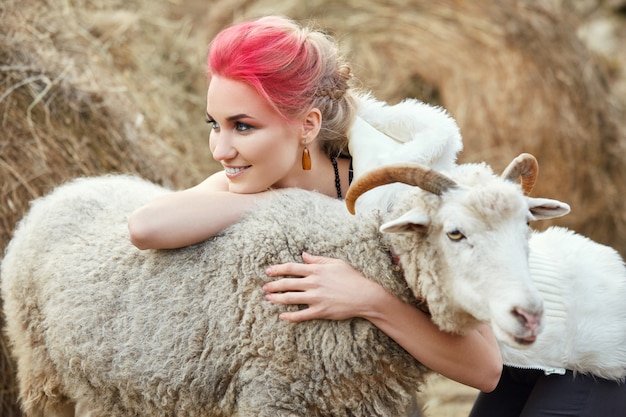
(95, 86)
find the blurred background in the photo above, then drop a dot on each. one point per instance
(96, 86)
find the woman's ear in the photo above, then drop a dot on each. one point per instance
(311, 124)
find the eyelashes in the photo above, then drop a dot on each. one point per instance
(237, 126)
(213, 124)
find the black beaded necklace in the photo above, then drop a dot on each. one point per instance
(333, 160)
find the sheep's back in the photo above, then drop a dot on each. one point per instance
(187, 330)
(583, 284)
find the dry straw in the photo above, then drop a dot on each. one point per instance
(90, 87)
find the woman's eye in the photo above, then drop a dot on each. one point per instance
(213, 123)
(237, 126)
(455, 235)
(242, 127)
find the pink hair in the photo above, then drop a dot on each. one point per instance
(275, 56)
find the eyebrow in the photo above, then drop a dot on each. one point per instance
(234, 117)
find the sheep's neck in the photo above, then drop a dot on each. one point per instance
(422, 304)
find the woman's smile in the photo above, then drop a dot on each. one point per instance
(232, 172)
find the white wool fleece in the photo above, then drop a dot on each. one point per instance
(409, 131)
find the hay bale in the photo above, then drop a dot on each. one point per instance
(88, 90)
(91, 88)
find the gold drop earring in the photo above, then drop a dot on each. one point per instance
(306, 159)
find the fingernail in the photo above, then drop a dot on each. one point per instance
(268, 271)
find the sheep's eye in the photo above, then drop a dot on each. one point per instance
(455, 235)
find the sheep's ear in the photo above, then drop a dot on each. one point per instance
(409, 222)
(545, 208)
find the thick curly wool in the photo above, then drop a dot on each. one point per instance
(409, 131)
(419, 133)
(186, 332)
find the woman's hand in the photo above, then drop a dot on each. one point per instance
(330, 287)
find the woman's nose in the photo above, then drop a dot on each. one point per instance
(222, 147)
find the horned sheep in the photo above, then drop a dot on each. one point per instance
(582, 282)
(93, 321)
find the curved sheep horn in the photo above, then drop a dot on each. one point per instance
(411, 174)
(526, 167)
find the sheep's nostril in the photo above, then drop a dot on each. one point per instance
(531, 321)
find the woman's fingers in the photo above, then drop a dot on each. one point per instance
(326, 286)
(291, 268)
(286, 285)
(299, 269)
(310, 259)
(290, 297)
(300, 315)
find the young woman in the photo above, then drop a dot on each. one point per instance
(280, 102)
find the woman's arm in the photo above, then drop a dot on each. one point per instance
(472, 359)
(190, 216)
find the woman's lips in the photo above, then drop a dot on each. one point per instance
(233, 172)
